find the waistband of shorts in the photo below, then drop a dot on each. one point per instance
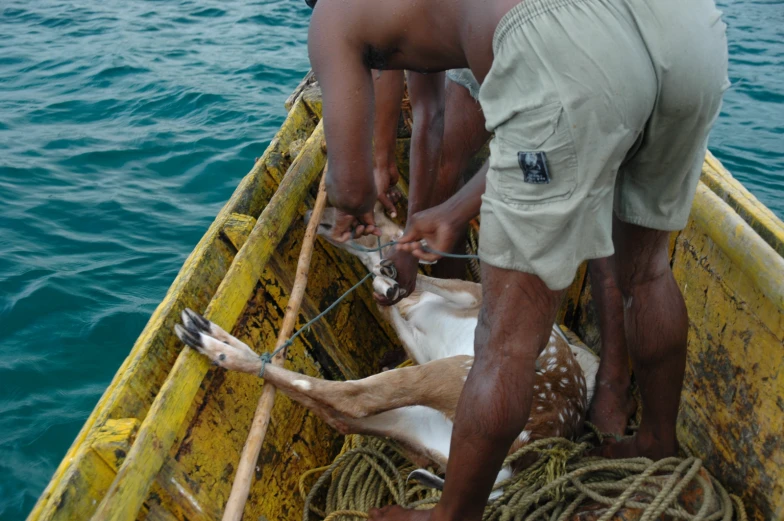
(524, 12)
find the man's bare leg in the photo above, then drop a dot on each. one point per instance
(656, 324)
(464, 135)
(613, 403)
(514, 326)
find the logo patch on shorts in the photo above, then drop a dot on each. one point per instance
(534, 167)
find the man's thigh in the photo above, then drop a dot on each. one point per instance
(518, 310)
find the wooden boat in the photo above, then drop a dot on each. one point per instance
(164, 440)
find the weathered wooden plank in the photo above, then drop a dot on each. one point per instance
(759, 261)
(759, 216)
(173, 495)
(158, 431)
(732, 407)
(307, 81)
(238, 228)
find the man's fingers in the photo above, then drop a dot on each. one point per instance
(372, 230)
(341, 231)
(410, 236)
(343, 237)
(423, 255)
(388, 205)
(408, 246)
(370, 224)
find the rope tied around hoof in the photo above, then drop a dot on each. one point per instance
(371, 472)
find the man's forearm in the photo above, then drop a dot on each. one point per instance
(347, 90)
(466, 203)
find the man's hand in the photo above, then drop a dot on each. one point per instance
(386, 178)
(436, 226)
(348, 226)
(406, 266)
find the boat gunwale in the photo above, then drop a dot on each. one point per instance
(50, 498)
(759, 227)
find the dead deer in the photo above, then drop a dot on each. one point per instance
(416, 405)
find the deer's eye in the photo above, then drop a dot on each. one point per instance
(326, 226)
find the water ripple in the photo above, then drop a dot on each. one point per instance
(123, 130)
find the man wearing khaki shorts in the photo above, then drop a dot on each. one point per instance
(601, 111)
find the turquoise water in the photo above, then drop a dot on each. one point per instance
(124, 126)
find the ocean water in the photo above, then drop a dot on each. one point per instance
(124, 127)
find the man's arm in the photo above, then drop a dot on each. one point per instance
(347, 89)
(440, 226)
(427, 105)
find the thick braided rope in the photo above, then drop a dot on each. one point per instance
(552, 489)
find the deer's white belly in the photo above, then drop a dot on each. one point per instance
(422, 427)
(439, 330)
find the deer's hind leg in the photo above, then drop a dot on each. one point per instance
(437, 384)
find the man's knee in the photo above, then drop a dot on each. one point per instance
(517, 314)
(641, 256)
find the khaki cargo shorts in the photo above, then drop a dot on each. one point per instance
(595, 105)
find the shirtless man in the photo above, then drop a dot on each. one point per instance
(601, 112)
(455, 115)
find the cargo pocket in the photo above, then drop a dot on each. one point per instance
(532, 157)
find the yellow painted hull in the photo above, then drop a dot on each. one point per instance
(164, 440)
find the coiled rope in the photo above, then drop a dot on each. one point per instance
(371, 472)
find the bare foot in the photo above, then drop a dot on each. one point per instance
(395, 513)
(634, 447)
(611, 408)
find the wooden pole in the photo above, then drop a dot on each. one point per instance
(235, 506)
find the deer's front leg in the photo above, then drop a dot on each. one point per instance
(216, 344)
(462, 293)
(436, 384)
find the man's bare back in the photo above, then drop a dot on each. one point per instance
(348, 38)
